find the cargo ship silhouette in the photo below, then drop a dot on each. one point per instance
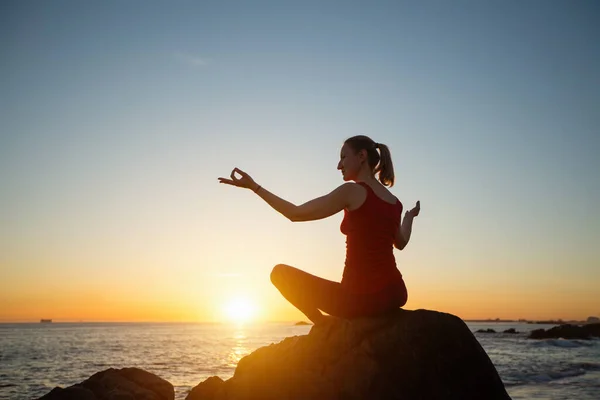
(45, 321)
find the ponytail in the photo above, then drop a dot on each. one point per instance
(380, 162)
(385, 166)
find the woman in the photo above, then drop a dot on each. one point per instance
(371, 283)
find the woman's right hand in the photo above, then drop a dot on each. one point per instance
(245, 181)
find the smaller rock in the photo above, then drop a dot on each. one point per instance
(566, 331)
(116, 384)
(510, 330)
(302, 323)
(209, 389)
(489, 330)
(593, 329)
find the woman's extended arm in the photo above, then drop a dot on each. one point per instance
(321, 207)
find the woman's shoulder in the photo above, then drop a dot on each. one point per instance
(356, 194)
(356, 187)
(351, 187)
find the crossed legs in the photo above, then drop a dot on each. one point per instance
(311, 295)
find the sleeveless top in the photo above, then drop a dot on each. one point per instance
(370, 231)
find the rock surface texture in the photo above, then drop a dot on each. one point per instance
(405, 355)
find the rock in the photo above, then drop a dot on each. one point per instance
(209, 389)
(302, 323)
(567, 331)
(405, 355)
(593, 329)
(116, 384)
(511, 330)
(489, 330)
(70, 393)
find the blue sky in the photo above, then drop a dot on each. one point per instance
(116, 118)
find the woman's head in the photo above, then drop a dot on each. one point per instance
(360, 153)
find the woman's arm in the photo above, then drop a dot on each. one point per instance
(318, 208)
(405, 229)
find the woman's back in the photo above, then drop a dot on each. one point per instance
(370, 230)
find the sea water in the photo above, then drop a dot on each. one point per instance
(34, 358)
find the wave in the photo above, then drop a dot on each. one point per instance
(564, 343)
(7, 385)
(544, 377)
(574, 370)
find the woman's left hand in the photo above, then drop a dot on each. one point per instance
(245, 181)
(415, 211)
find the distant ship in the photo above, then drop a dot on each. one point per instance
(45, 321)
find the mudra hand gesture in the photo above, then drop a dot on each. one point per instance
(245, 181)
(415, 211)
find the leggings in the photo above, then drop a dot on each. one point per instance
(311, 295)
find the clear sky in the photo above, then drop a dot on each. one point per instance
(117, 118)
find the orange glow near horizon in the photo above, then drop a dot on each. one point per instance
(237, 289)
(94, 306)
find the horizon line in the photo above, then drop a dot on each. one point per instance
(73, 321)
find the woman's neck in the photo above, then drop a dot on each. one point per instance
(366, 177)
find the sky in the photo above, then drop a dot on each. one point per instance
(117, 118)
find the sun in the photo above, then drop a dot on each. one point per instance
(239, 310)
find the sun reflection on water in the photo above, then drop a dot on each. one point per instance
(239, 348)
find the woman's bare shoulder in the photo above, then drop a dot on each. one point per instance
(357, 194)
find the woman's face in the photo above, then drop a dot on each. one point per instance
(350, 162)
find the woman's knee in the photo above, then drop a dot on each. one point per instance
(278, 274)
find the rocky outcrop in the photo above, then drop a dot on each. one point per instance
(593, 329)
(567, 331)
(406, 355)
(116, 384)
(300, 323)
(489, 330)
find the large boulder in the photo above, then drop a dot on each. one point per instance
(116, 384)
(405, 355)
(567, 331)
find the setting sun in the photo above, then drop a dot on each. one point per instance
(239, 310)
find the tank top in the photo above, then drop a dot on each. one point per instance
(370, 230)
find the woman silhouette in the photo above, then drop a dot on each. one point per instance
(371, 283)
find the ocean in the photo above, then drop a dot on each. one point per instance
(34, 358)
